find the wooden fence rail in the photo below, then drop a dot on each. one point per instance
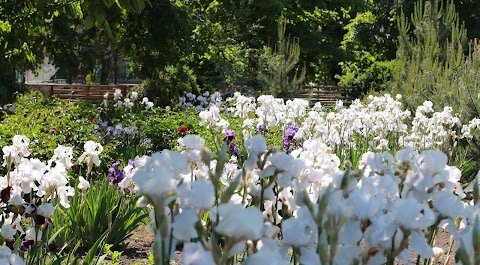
(328, 95)
(81, 91)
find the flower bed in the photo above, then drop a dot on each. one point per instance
(265, 182)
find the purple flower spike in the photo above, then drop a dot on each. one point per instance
(229, 138)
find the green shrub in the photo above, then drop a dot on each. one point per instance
(48, 123)
(374, 78)
(51, 122)
(102, 211)
(431, 64)
(155, 130)
(168, 84)
(366, 47)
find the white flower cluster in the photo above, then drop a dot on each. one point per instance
(126, 102)
(30, 175)
(376, 121)
(212, 118)
(200, 102)
(304, 201)
(469, 130)
(243, 105)
(432, 131)
(44, 183)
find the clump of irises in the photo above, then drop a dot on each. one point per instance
(105, 129)
(229, 138)
(41, 216)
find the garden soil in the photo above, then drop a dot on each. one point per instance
(139, 249)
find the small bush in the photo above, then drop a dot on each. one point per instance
(169, 83)
(374, 78)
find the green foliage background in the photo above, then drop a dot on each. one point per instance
(178, 46)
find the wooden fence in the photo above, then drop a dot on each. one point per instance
(81, 91)
(328, 95)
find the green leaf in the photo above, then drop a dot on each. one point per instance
(5, 26)
(100, 20)
(221, 160)
(108, 29)
(138, 5)
(77, 9)
(101, 259)
(52, 238)
(231, 189)
(89, 22)
(108, 3)
(95, 249)
(71, 256)
(124, 4)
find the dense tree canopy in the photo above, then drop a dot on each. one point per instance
(30, 30)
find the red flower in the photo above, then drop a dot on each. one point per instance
(55, 129)
(74, 166)
(183, 129)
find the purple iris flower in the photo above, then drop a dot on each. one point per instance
(235, 150)
(115, 175)
(116, 165)
(104, 124)
(289, 139)
(262, 128)
(9, 244)
(26, 244)
(230, 136)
